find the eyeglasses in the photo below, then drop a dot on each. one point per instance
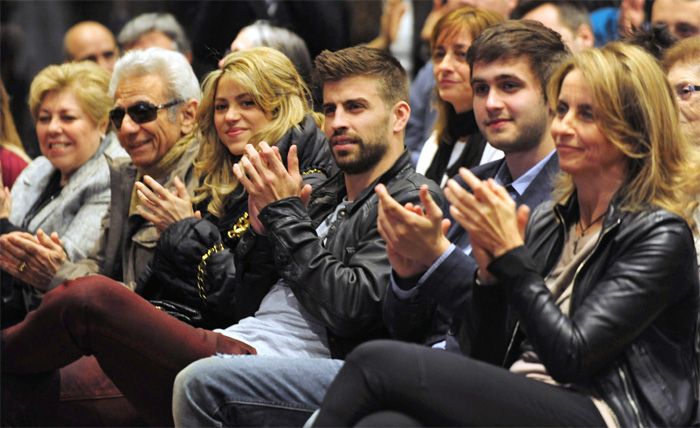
(687, 90)
(141, 112)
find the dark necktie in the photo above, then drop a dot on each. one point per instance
(512, 192)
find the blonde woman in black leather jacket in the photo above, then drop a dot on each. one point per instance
(592, 305)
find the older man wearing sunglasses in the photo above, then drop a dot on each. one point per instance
(156, 95)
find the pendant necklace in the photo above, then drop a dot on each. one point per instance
(583, 230)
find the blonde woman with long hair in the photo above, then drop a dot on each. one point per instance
(256, 96)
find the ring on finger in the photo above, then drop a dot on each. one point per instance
(22, 266)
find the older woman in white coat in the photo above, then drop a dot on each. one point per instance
(65, 192)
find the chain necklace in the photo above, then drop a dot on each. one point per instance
(583, 230)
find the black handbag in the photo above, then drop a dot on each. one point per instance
(179, 284)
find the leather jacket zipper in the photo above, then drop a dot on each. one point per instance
(628, 395)
(510, 343)
(696, 362)
(560, 220)
(517, 324)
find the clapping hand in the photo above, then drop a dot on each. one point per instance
(32, 259)
(162, 207)
(266, 179)
(415, 237)
(489, 214)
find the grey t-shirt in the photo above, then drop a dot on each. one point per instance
(281, 326)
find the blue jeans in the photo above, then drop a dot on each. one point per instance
(247, 390)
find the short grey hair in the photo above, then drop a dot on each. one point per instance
(147, 22)
(172, 67)
(263, 33)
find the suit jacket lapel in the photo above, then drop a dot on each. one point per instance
(540, 189)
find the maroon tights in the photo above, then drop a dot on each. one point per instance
(136, 346)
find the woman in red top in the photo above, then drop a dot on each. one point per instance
(12, 157)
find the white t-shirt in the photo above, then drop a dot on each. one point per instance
(281, 327)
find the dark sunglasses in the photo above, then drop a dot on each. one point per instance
(141, 112)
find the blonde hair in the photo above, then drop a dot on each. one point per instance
(276, 88)
(86, 80)
(635, 108)
(8, 132)
(474, 21)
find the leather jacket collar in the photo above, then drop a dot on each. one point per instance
(568, 211)
(334, 188)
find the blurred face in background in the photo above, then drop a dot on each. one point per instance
(91, 41)
(246, 39)
(154, 39)
(685, 81)
(451, 69)
(575, 39)
(681, 16)
(502, 7)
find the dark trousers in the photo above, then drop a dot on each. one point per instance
(438, 388)
(139, 350)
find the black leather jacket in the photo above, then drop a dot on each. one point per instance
(194, 260)
(630, 335)
(342, 279)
